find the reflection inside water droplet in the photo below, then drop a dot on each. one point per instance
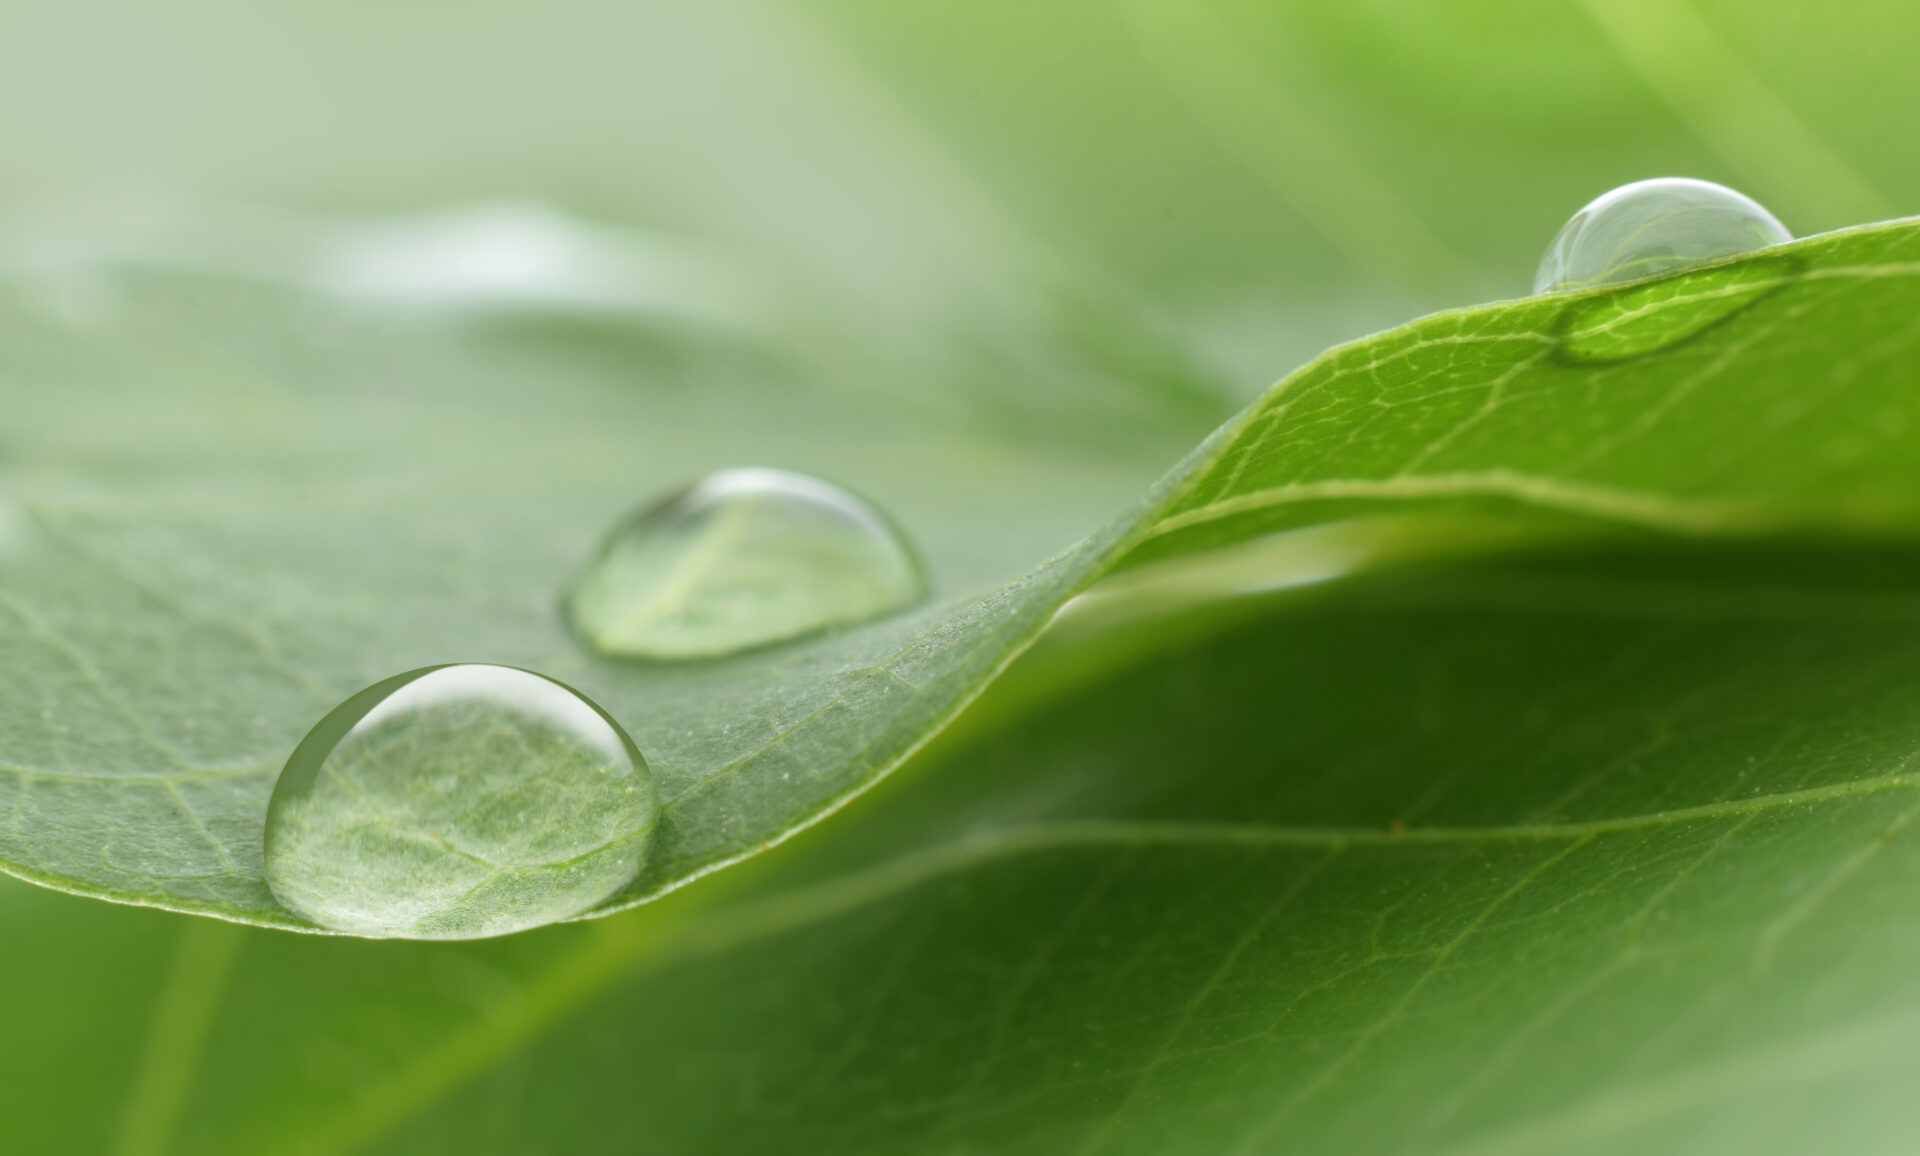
(1660, 315)
(1651, 227)
(740, 559)
(458, 801)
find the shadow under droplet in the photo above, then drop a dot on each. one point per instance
(1661, 315)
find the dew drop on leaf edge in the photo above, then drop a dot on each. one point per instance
(455, 802)
(1654, 226)
(739, 559)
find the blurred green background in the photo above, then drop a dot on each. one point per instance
(1244, 183)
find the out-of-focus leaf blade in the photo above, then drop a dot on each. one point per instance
(1580, 853)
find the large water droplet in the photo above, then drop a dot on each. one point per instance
(740, 559)
(455, 802)
(1651, 227)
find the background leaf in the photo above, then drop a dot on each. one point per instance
(1581, 852)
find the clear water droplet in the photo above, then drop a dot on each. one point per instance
(1651, 227)
(455, 802)
(739, 559)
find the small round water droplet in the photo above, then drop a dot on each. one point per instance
(1651, 227)
(740, 559)
(458, 801)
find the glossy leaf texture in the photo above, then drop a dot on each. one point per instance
(170, 657)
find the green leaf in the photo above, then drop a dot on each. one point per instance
(1131, 900)
(1574, 852)
(170, 658)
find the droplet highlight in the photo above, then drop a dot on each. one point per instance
(1651, 227)
(740, 559)
(456, 802)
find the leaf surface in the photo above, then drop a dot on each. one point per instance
(168, 659)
